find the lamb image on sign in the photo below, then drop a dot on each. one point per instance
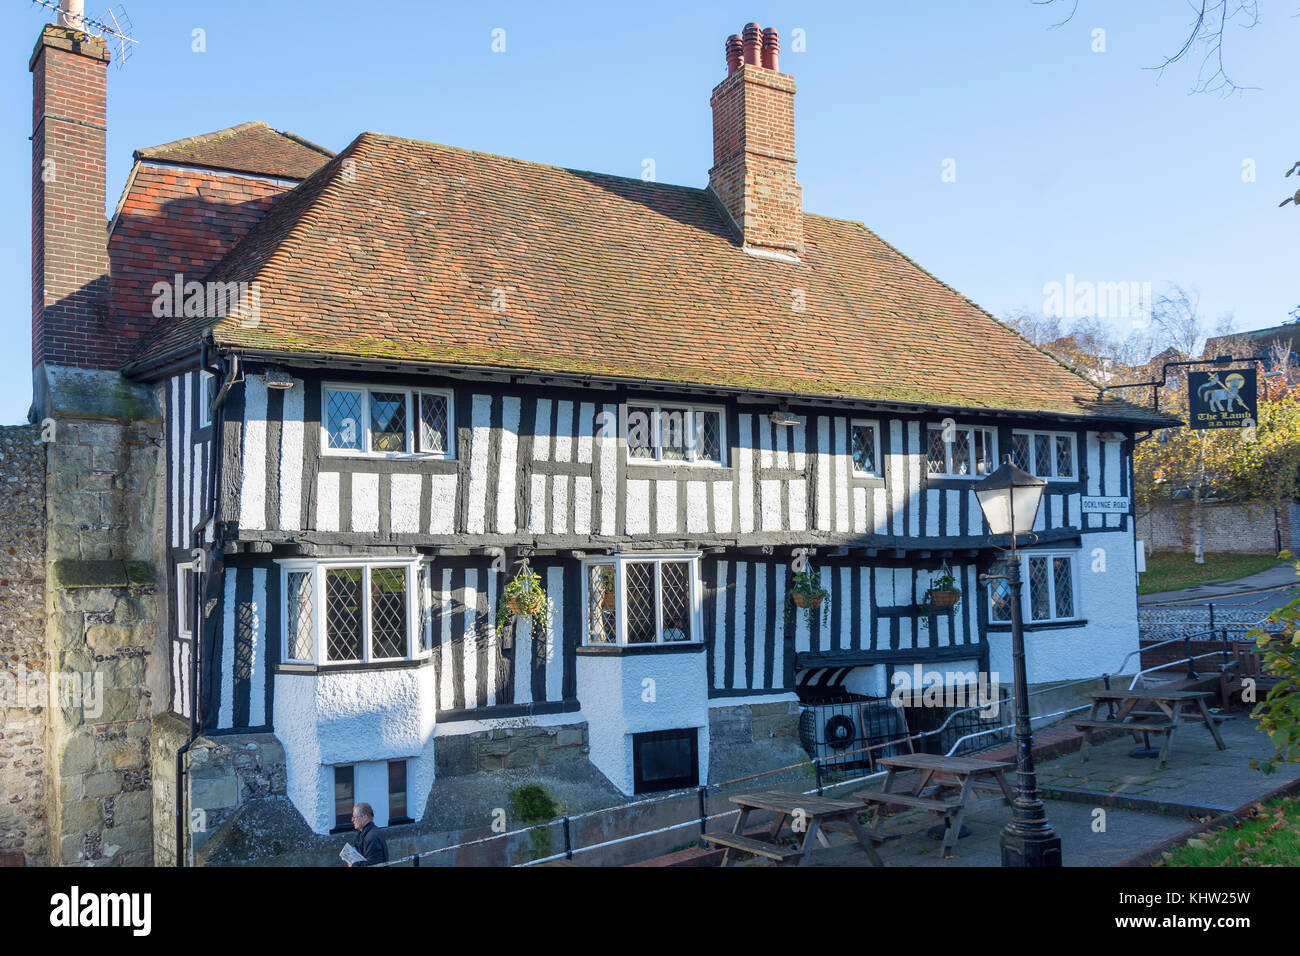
(1222, 399)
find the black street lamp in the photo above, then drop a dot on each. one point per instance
(1010, 498)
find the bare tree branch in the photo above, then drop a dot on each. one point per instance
(1212, 18)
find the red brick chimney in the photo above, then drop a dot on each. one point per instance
(69, 230)
(753, 145)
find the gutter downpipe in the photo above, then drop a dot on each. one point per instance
(200, 588)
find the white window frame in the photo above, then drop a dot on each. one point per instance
(320, 642)
(691, 411)
(878, 467)
(1026, 598)
(1074, 452)
(619, 563)
(947, 451)
(205, 398)
(183, 569)
(412, 412)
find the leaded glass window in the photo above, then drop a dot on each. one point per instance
(862, 446)
(388, 612)
(344, 615)
(300, 634)
(708, 436)
(434, 423)
(641, 600)
(639, 584)
(343, 419)
(1044, 454)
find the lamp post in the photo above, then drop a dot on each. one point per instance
(1010, 498)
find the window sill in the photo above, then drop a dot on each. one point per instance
(383, 455)
(618, 650)
(341, 667)
(1037, 626)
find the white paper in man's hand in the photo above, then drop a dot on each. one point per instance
(350, 854)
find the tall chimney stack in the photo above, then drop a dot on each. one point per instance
(69, 229)
(753, 145)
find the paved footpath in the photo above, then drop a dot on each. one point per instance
(1144, 805)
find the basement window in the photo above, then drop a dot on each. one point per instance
(387, 422)
(665, 760)
(344, 789)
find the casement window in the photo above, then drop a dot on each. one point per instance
(1045, 454)
(864, 447)
(1048, 590)
(960, 452)
(344, 611)
(694, 434)
(642, 599)
(387, 422)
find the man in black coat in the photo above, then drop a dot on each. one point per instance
(370, 843)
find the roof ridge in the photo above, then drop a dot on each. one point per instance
(525, 162)
(204, 137)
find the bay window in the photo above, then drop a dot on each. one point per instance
(1048, 591)
(347, 611)
(642, 600)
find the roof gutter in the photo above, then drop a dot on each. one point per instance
(755, 396)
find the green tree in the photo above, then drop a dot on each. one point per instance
(1279, 712)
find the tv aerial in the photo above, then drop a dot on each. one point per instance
(114, 27)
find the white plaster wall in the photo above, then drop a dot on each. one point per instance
(613, 691)
(1107, 600)
(354, 717)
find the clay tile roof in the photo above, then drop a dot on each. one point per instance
(400, 250)
(246, 148)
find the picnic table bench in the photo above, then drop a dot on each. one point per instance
(965, 774)
(808, 813)
(1165, 719)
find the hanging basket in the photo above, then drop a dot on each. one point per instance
(810, 601)
(945, 598)
(518, 606)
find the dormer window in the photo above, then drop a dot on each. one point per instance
(387, 422)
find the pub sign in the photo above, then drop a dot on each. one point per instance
(1223, 398)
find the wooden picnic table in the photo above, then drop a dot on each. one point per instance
(808, 813)
(965, 774)
(1164, 720)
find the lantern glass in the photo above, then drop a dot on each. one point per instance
(1010, 498)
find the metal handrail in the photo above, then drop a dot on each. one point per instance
(817, 763)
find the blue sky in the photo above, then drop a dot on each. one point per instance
(1067, 161)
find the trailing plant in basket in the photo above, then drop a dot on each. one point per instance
(806, 591)
(523, 597)
(941, 595)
